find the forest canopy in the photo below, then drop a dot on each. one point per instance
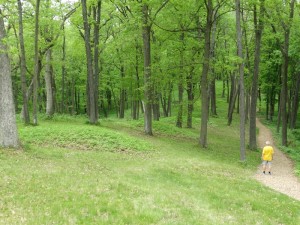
(155, 59)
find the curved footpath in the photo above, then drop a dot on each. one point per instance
(283, 178)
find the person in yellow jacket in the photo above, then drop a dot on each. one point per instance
(267, 157)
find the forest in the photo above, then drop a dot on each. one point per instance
(153, 59)
(149, 111)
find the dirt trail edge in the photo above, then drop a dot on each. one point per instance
(282, 179)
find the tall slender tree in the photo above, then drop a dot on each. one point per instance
(205, 70)
(258, 25)
(97, 18)
(8, 127)
(36, 63)
(241, 83)
(147, 71)
(180, 82)
(284, 73)
(148, 84)
(89, 61)
(26, 116)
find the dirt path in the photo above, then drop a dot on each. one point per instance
(282, 179)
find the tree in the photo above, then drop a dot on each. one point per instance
(97, 17)
(285, 24)
(180, 82)
(241, 83)
(92, 106)
(49, 73)
(148, 84)
(49, 83)
(23, 65)
(147, 71)
(205, 70)
(259, 25)
(8, 127)
(36, 63)
(284, 73)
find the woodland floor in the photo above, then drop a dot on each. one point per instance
(283, 178)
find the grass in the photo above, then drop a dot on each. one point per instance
(69, 172)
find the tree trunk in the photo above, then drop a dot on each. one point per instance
(212, 84)
(8, 127)
(204, 80)
(190, 94)
(180, 84)
(63, 73)
(73, 96)
(155, 105)
(247, 106)
(136, 95)
(213, 97)
(223, 88)
(89, 61)
(232, 99)
(166, 99)
(242, 90)
(97, 18)
(122, 94)
(49, 84)
(279, 115)
(36, 63)
(147, 71)
(284, 76)
(228, 90)
(25, 114)
(283, 102)
(254, 90)
(268, 105)
(295, 103)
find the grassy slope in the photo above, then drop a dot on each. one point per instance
(73, 173)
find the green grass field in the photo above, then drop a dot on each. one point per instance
(69, 172)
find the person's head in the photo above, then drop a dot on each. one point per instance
(268, 142)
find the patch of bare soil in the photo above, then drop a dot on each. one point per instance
(283, 178)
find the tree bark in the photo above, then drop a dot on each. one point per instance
(212, 84)
(122, 94)
(36, 63)
(166, 99)
(49, 84)
(89, 61)
(25, 114)
(97, 18)
(259, 25)
(295, 103)
(147, 72)
(155, 105)
(63, 72)
(213, 97)
(180, 83)
(190, 94)
(204, 80)
(241, 83)
(136, 92)
(8, 127)
(234, 90)
(73, 97)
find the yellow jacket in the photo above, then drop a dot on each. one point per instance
(267, 153)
